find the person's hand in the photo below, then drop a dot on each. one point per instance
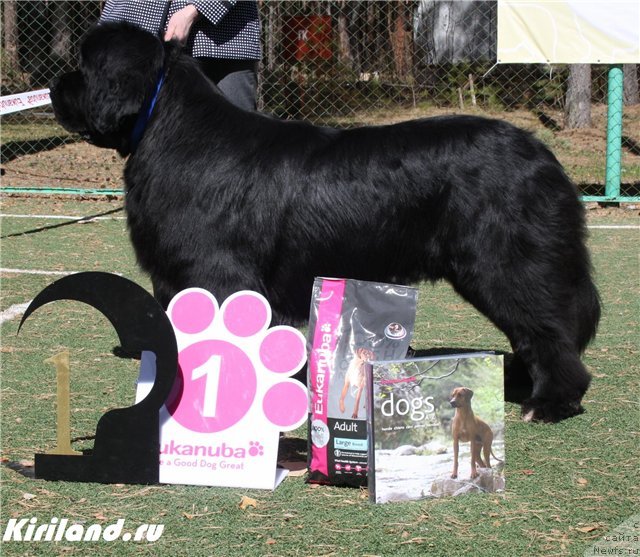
(180, 24)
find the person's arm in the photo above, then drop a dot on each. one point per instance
(181, 22)
(214, 10)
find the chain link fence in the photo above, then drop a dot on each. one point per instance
(352, 62)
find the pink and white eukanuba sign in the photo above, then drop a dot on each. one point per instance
(233, 394)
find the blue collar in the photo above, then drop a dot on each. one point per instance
(145, 114)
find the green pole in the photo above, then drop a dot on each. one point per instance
(614, 133)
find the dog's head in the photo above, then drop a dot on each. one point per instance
(365, 354)
(461, 397)
(119, 66)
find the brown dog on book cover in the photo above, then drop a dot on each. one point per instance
(467, 427)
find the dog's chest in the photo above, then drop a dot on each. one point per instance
(466, 429)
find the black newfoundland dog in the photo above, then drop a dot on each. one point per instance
(226, 200)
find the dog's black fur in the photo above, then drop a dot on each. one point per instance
(226, 200)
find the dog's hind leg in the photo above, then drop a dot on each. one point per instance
(559, 382)
(476, 458)
(517, 381)
(537, 319)
(486, 451)
(586, 312)
(553, 359)
(563, 320)
(559, 378)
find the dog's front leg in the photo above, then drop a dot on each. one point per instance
(487, 451)
(454, 474)
(356, 406)
(343, 395)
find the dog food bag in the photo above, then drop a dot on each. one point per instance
(352, 322)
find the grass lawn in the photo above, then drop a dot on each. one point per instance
(568, 485)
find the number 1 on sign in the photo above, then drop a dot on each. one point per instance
(210, 370)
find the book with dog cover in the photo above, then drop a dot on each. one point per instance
(436, 426)
(351, 322)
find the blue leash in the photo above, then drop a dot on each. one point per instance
(145, 114)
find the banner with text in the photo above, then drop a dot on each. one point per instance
(23, 101)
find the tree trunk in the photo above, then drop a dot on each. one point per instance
(344, 44)
(400, 25)
(577, 110)
(61, 41)
(630, 95)
(10, 42)
(274, 35)
(370, 58)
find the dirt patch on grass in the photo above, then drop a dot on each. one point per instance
(73, 165)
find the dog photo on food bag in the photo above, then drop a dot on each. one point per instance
(225, 200)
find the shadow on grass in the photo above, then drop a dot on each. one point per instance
(628, 143)
(292, 450)
(15, 149)
(631, 145)
(547, 121)
(86, 219)
(22, 467)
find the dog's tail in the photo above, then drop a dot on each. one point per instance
(495, 457)
(587, 312)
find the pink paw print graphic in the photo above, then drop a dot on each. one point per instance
(255, 448)
(233, 368)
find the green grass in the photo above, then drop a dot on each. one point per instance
(568, 484)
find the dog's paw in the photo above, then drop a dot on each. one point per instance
(232, 365)
(549, 411)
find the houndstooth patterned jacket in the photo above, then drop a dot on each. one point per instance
(225, 29)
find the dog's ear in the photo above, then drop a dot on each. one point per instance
(120, 64)
(468, 393)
